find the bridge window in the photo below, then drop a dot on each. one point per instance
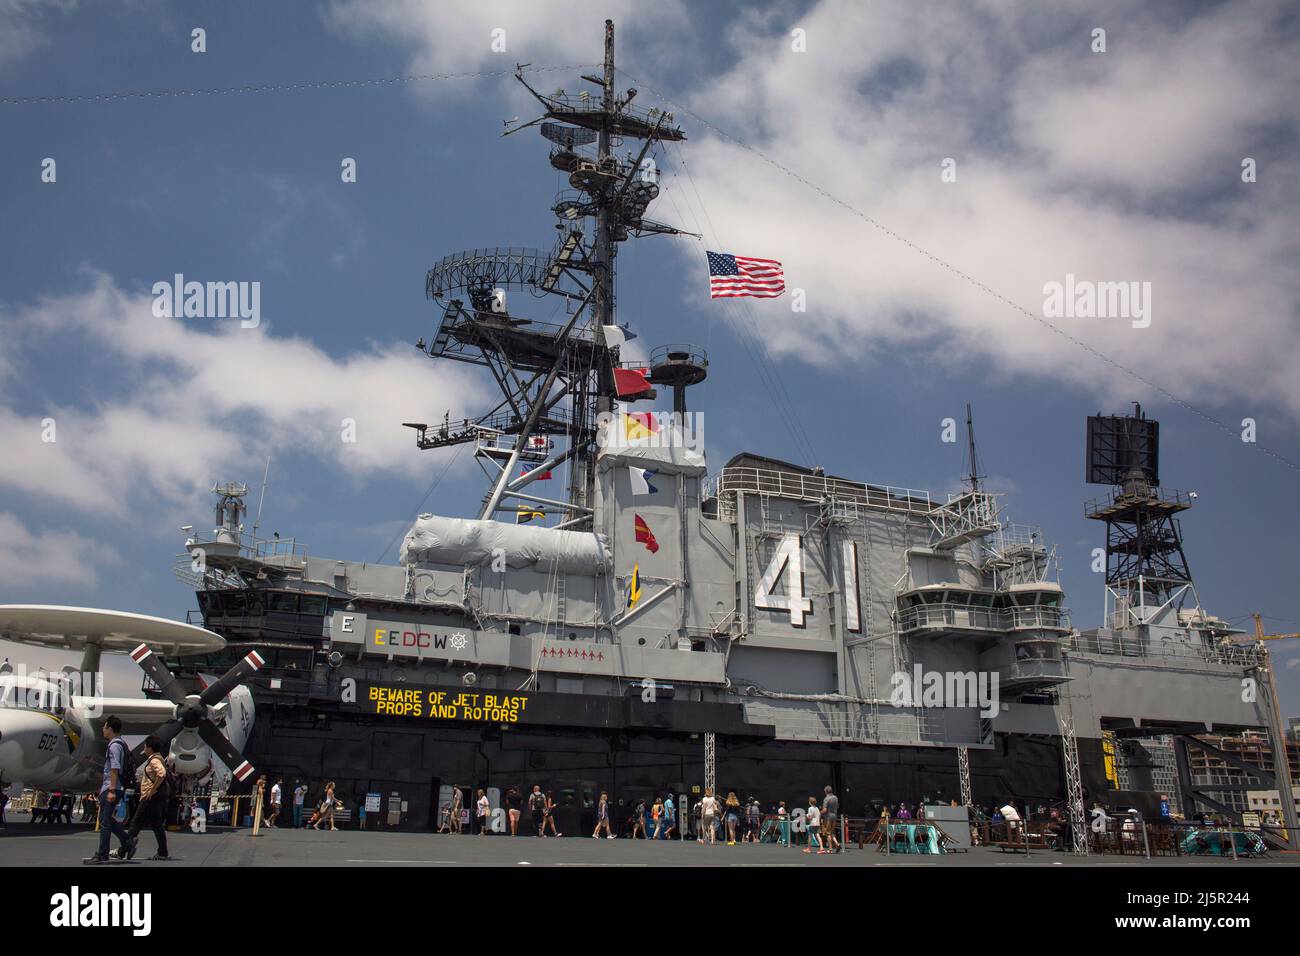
(282, 601)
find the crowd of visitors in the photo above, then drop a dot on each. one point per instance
(710, 819)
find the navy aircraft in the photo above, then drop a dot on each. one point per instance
(51, 734)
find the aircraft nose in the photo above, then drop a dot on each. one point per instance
(26, 738)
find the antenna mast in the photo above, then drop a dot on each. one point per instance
(261, 498)
(974, 477)
(555, 380)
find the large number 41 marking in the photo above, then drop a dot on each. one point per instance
(788, 559)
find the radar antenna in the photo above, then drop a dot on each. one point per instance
(1146, 568)
(556, 379)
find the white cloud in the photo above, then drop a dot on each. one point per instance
(49, 557)
(182, 402)
(1163, 100)
(449, 37)
(1123, 166)
(887, 91)
(21, 32)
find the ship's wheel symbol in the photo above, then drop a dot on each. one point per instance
(458, 641)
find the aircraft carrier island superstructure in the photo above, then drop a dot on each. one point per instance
(766, 629)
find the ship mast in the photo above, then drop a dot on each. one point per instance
(555, 380)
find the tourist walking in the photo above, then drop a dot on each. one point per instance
(327, 808)
(550, 814)
(708, 816)
(733, 817)
(514, 803)
(814, 819)
(753, 820)
(537, 804)
(602, 818)
(151, 809)
(116, 758)
(484, 808)
(299, 798)
(831, 821)
(277, 793)
(457, 807)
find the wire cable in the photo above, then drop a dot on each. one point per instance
(436, 481)
(1154, 386)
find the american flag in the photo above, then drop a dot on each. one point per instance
(731, 276)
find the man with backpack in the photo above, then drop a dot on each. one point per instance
(117, 767)
(151, 808)
(537, 804)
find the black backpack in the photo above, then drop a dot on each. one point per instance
(126, 776)
(169, 786)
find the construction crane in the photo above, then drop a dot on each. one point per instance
(1261, 636)
(1281, 761)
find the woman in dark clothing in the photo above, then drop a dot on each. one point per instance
(514, 805)
(550, 815)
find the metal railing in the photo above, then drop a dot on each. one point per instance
(258, 549)
(785, 484)
(1018, 537)
(693, 353)
(965, 617)
(1119, 496)
(1044, 669)
(1119, 645)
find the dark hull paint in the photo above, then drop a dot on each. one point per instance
(368, 754)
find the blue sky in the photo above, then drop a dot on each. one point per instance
(1116, 166)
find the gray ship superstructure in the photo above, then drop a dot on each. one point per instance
(765, 628)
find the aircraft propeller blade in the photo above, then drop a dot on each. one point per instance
(240, 768)
(218, 689)
(158, 673)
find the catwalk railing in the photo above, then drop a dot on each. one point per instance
(785, 484)
(965, 617)
(1118, 644)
